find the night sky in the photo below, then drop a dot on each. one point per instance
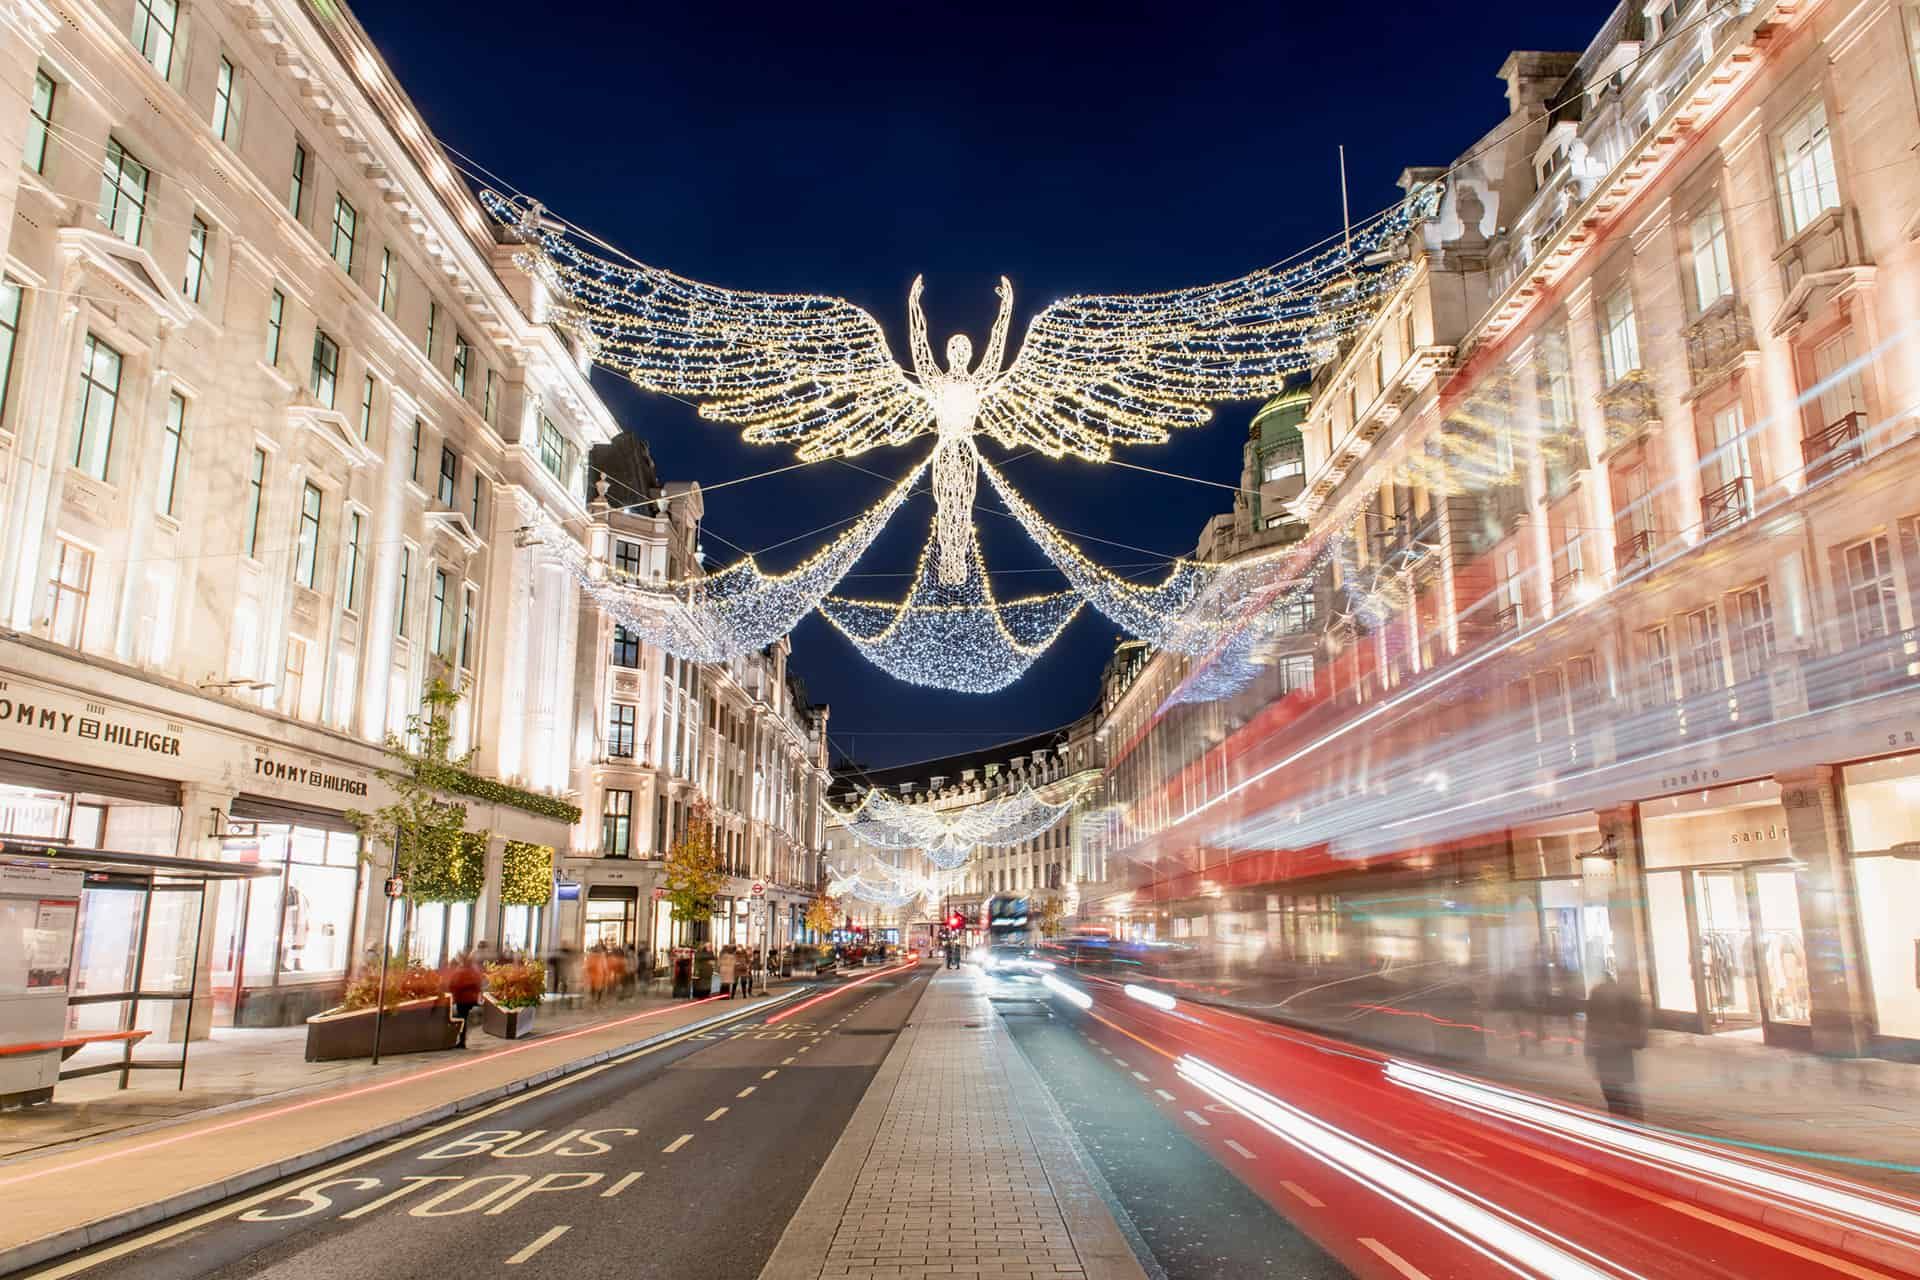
(842, 149)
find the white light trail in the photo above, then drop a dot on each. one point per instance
(1146, 995)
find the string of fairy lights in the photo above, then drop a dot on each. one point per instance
(814, 373)
(949, 836)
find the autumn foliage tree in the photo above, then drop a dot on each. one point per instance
(822, 914)
(1051, 915)
(693, 874)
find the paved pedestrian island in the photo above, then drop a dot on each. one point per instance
(956, 1164)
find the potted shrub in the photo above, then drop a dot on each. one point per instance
(514, 989)
(418, 1016)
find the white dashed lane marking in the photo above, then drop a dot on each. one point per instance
(676, 1144)
(1240, 1150)
(717, 1113)
(744, 1092)
(552, 1234)
(1393, 1259)
(771, 1074)
(1199, 1119)
(1137, 1076)
(1164, 1095)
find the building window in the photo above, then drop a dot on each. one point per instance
(1619, 340)
(1712, 266)
(489, 400)
(366, 408)
(99, 398)
(153, 26)
(1288, 460)
(1705, 670)
(256, 492)
(39, 123)
(1870, 593)
(387, 282)
(123, 193)
(172, 434)
(10, 297)
(469, 620)
(462, 355)
(556, 453)
(626, 557)
(437, 614)
(297, 181)
(351, 552)
(1656, 651)
(196, 260)
(1805, 174)
(400, 597)
(293, 677)
(306, 552)
(276, 317)
(449, 475)
(433, 326)
(479, 486)
(626, 647)
(326, 368)
(222, 99)
(620, 731)
(413, 472)
(1296, 673)
(67, 593)
(345, 223)
(1837, 383)
(616, 823)
(1753, 638)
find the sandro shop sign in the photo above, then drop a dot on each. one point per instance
(40, 720)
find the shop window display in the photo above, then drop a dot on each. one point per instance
(1883, 824)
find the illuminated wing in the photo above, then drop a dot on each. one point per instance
(804, 370)
(1127, 369)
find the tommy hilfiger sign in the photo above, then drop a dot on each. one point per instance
(23, 709)
(304, 776)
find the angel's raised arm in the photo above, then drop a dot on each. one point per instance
(917, 344)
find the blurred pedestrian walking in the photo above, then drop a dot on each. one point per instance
(465, 981)
(1616, 1030)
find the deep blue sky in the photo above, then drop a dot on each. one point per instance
(842, 149)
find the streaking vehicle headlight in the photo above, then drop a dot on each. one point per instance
(1072, 995)
(1146, 995)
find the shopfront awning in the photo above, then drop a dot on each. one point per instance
(112, 860)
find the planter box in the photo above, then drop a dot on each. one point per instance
(506, 1024)
(417, 1026)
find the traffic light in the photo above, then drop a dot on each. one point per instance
(956, 921)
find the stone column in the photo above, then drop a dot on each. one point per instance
(1828, 918)
(198, 806)
(1626, 906)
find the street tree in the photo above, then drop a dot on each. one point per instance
(1051, 916)
(822, 914)
(693, 874)
(435, 856)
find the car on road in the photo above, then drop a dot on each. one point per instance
(1008, 960)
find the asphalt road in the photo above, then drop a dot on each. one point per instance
(684, 1161)
(1197, 1219)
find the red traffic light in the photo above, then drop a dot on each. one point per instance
(956, 921)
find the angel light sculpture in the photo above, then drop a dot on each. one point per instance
(815, 372)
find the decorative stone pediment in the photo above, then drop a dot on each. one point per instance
(457, 527)
(129, 268)
(330, 427)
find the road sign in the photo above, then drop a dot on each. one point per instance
(396, 888)
(759, 890)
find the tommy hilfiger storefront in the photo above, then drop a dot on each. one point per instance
(163, 772)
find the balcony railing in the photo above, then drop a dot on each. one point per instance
(1833, 447)
(1628, 407)
(1717, 340)
(1567, 584)
(1634, 552)
(1728, 505)
(1508, 619)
